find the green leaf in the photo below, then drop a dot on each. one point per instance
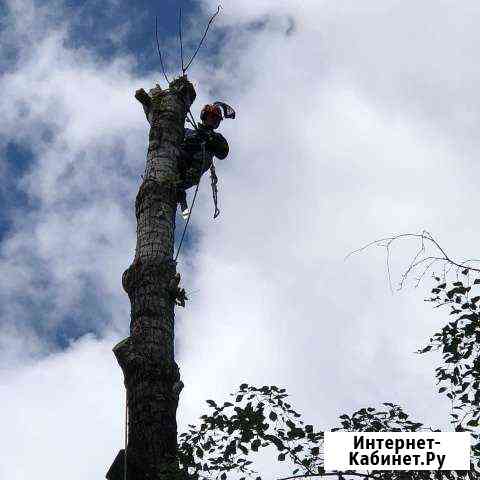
(212, 403)
(243, 449)
(272, 416)
(277, 442)
(255, 444)
(426, 349)
(239, 398)
(223, 476)
(281, 457)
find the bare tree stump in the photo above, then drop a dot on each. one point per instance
(146, 357)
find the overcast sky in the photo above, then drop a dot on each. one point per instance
(354, 120)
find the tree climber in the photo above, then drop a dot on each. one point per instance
(192, 164)
(193, 161)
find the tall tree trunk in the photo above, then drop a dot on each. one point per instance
(152, 377)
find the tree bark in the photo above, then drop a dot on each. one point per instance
(152, 377)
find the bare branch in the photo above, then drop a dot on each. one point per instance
(420, 259)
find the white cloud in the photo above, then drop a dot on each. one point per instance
(59, 414)
(320, 165)
(358, 123)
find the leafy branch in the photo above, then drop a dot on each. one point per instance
(261, 417)
(459, 343)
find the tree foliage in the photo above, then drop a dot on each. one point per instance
(459, 342)
(258, 418)
(262, 417)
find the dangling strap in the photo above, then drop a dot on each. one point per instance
(214, 181)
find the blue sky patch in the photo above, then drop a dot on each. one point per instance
(108, 30)
(17, 159)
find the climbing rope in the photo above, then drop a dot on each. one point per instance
(191, 120)
(193, 202)
(126, 436)
(180, 35)
(184, 68)
(202, 40)
(159, 52)
(213, 182)
(213, 176)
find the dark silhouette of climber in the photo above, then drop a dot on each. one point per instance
(193, 162)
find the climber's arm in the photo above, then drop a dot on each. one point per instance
(218, 145)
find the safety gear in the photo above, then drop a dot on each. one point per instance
(213, 183)
(215, 144)
(228, 111)
(197, 151)
(216, 110)
(212, 110)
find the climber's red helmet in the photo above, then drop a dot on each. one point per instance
(211, 116)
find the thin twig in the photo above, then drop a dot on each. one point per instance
(158, 50)
(180, 34)
(413, 266)
(380, 241)
(203, 38)
(388, 269)
(429, 266)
